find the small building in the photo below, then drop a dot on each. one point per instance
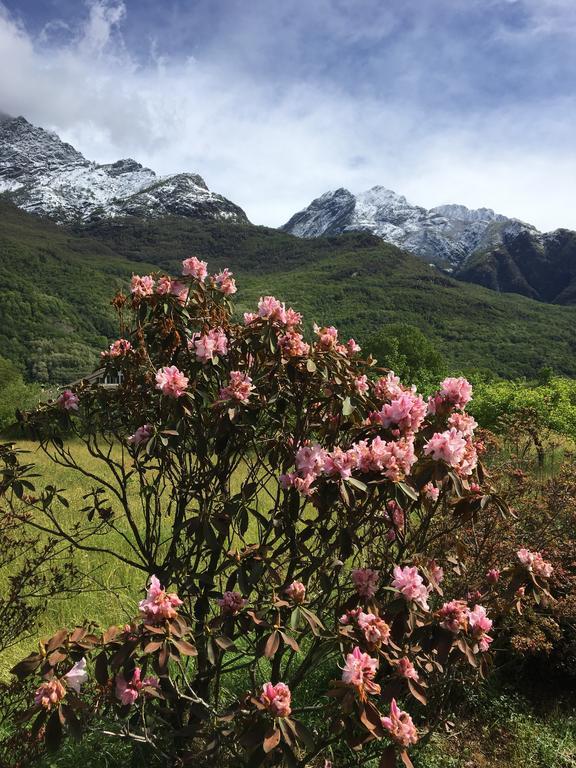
(100, 377)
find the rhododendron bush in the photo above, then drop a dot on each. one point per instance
(293, 514)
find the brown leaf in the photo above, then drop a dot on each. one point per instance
(185, 647)
(272, 645)
(271, 740)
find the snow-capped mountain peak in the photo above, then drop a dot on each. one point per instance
(42, 174)
(446, 235)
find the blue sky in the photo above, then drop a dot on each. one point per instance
(277, 101)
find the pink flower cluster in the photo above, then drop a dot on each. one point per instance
(158, 605)
(142, 435)
(276, 699)
(453, 448)
(239, 388)
(406, 412)
(296, 592)
(375, 630)
(225, 282)
(275, 311)
(454, 393)
(127, 691)
(359, 670)
(171, 381)
(365, 581)
(49, 694)
(535, 563)
(193, 267)
(405, 669)
(388, 387)
(68, 401)
(231, 603)
(328, 340)
(117, 349)
(453, 616)
(410, 584)
(400, 726)
(142, 285)
(392, 459)
(479, 625)
(292, 344)
(208, 345)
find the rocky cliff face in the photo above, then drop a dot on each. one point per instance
(44, 175)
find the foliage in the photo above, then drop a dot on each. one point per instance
(311, 512)
(550, 404)
(14, 393)
(55, 284)
(406, 350)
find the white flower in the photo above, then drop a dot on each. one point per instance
(77, 675)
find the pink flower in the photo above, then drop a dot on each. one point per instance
(361, 384)
(456, 391)
(225, 282)
(128, 691)
(310, 460)
(77, 676)
(407, 412)
(365, 581)
(49, 694)
(193, 267)
(463, 422)
(180, 290)
(292, 344)
(409, 583)
(479, 625)
(447, 446)
(388, 387)
(436, 571)
(493, 576)
(239, 388)
(535, 563)
(301, 484)
(231, 603)
(453, 615)
(68, 401)
(327, 337)
(142, 435)
(163, 285)
(171, 381)
(269, 308)
(340, 462)
(210, 344)
(400, 726)
(394, 459)
(158, 604)
(352, 348)
(276, 699)
(292, 317)
(431, 491)
(249, 317)
(375, 629)
(142, 286)
(296, 592)
(406, 669)
(119, 348)
(359, 670)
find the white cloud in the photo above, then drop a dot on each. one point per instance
(272, 149)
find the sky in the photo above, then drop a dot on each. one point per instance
(275, 102)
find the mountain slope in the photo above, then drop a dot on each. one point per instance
(41, 174)
(541, 266)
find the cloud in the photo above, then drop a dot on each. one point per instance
(273, 137)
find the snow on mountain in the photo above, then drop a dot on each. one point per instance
(445, 235)
(42, 174)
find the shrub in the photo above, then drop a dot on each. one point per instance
(305, 506)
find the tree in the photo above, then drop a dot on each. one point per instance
(408, 352)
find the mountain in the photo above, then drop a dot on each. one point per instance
(539, 265)
(478, 246)
(43, 175)
(445, 235)
(56, 283)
